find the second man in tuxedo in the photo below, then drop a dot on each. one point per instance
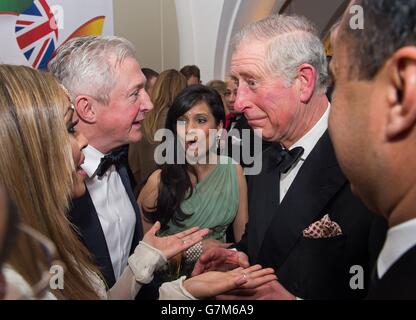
(303, 219)
(107, 89)
(376, 95)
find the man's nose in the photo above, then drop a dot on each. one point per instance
(147, 104)
(190, 127)
(239, 101)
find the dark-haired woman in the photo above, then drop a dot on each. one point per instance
(205, 190)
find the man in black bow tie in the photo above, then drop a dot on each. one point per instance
(376, 96)
(107, 88)
(303, 219)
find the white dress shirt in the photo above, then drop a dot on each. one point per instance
(114, 209)
(307, 142)
(399, 239)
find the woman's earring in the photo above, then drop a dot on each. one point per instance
(218, 141)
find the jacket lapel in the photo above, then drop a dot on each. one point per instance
(84, 216)
(263, 197)
(317, 182)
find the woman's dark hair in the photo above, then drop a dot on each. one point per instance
(175, 181)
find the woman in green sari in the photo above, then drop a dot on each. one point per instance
(205, 189)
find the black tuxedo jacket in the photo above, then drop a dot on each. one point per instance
(84, 217)
(310, 268)
(399, 282)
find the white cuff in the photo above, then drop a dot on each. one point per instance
(175, 290)
(144, 261)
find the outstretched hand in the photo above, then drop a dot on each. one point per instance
(174, 244)
(213, 283)
(220, 259)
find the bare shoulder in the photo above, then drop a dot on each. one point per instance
(154, 178)
(148, 195)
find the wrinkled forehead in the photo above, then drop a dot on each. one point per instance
(250, 47)
(129, 73)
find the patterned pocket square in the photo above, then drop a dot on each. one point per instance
(324, 228)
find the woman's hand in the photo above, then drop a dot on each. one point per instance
(208, 244)
(174, 244)
(213, 283)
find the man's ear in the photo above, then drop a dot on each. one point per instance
(85, 107)
(402, 93)
(307, 78)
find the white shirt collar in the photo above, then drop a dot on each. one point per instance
(399, 240)
(92, 160)
(311, 138)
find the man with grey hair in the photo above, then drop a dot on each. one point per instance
(303, 219)
(107, 88)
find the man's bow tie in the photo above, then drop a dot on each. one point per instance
(288, 158)
(116, 157)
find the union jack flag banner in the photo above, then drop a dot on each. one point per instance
(31, 30)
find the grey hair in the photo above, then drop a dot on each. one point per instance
(292, 41)
(85, 65)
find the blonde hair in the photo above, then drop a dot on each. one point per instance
(166, 88)
(36, 167)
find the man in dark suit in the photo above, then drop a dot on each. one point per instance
(107, 89)
(303, 219)
(374, 116)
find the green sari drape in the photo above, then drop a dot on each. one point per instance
(214, 201)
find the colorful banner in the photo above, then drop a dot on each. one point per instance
(32, 30)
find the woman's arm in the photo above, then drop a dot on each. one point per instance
(241, 218)
(211, 284)
(147, 199)
(151, 253)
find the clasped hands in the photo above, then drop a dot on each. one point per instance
(218, 271)
(256, 287)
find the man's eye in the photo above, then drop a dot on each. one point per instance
(252, 83)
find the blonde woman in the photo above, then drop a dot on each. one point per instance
(141, 154)
(40, 162)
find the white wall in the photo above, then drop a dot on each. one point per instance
(171, 34)
(152, 27)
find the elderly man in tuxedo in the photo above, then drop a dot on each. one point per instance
(107, 88)
(374, 115)
(303, 219)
